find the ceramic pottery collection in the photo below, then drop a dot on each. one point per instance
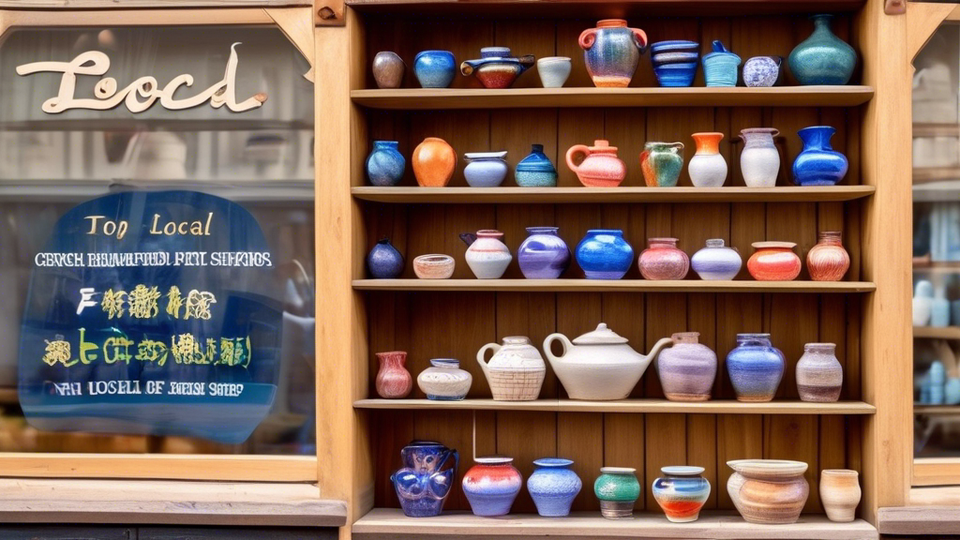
(716, 261)
(828, 260)
(840, 494)
(617, 489)
(823, 58)
(681, 492)
(612, 52)
(707, 167)
(435, 69)
(393, 380)
(663, 260)
(422, 485)
(485, 169)
(604, 254)
(492, 485)
(768, 491)
(444, 380)
(600, 166)
(553, 486)
(543, 255)
(388, 69)
(535, 170)
(384, 261)
(433, 162)
(688, 369)
(385, 164)
(487, 256)
(516, 370)
(661, 163)
(755, 368)
(434, 266)
(554, 70)
(675, 62)
(818, 164)
(720, 66)
(819, 373)
(762, 71)
(760, 159)
(497, 67)
(774, 261)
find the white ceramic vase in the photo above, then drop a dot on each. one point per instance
(487, 256)
(444, 380)
(840, 494)
(760, 159)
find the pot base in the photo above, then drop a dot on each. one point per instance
(754, 399)
(593, 181)
(611, 81)
(687, 397)
(684, 519)
(616, 509)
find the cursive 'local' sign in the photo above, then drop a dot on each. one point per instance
(139, 95)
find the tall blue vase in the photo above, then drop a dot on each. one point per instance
(385, 164)
(823, 58)
(604, 254)
(818, 164)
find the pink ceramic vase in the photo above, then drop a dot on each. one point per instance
(828, 261)
(393, 380)
(600, 166)
(663, 260)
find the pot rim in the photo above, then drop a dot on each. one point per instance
(682, 470)
(433, 259)
(499, 155)
(618, 470)
(839, 472)
(773, 245)
(768, 467)
(554, 60)
(553, 462)
(493, 460)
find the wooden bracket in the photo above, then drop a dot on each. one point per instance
(895, 7)
(329, 13)
(923, 19)
(295, 23)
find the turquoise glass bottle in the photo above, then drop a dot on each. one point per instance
(823, 58)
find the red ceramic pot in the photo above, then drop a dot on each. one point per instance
(774, 261)
(828, 261)
(663, 260)
(393, 379)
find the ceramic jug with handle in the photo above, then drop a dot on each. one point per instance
(422, 485)
(612, 52)
(600, 166)
(516, 370)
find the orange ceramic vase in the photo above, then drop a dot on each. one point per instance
(600, 166)
(774, 261)
(434, 162)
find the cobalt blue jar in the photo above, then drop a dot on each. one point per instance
(423, 484)
(385, 164)
(536, 170)
(604, 254)
(384, 261)
(755, 367)
(553, 486)
(543, 255)
(818, 164)
(435, 69)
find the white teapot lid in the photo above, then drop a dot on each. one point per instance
(602, 335)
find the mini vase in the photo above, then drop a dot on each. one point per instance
(840, 494)
(762, 71)
(435, 69)
(755, 368)
(774, 261)
(617, 489)
(393, 379)
(516, 370)
(543, 255)
(487, 256)
(388, 69)
(492, 485)
(497, 67)
(434, 266)
(661, 163)
(535, 170)
(720, 66)
(663, 260)
(707, 167)
(828, 260)
(822, 58)
(819, 373)
(554, 70)
(485, 169)
(444, 380)
(553, 486)
(424, 482)
(433, 162)
(760, 159)
(612, 52)
(675, 62)
(716, 262)
(681, 492)
(818, 164)
(604, 254)
(384, 261)
(768, 491)
(385, 164)
(600, 166)
(688, 369)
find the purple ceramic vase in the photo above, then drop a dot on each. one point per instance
(543, 255)
(688, 369)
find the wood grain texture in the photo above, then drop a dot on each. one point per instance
(127, 4)
(919, 520)
(633, 406)
(626, 285)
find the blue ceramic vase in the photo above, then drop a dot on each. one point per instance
(604, 254)
(384, 261)
(755, 367)
(818, 164)
(716, 262)
(720, 68)
(675, 62)
(823, 58)
(612, 52)
(681, 492)
(385, 164)
(422, 485)
(543, 255)
(492, 485)
(553, 486)
(435, 69)
(485, 169)
(536, 170)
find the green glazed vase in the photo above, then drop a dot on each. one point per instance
(823, 58)
(617, 489)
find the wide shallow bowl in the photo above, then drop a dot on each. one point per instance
(433, 266)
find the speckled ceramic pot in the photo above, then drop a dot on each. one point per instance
(384, 261)
(388, 69)
(435, 69)
(554, 70)
(707, 167)
(681, 492)
(600, 166)
(393, 380)
(444, 380)
(543, 255)
(604, 254)
(553, 486)
(688, 369)
(612, 52)
(716, 261)
(661, 163)
(617, 489)
(755, 368)
(823, 58)
(487, 255)
(385, 164)
(535, 170)
(768, 491)
(663, 260)
(433, 162)
(840, 494)
(774, 261)
(828, 260)
(492, 485)
(760, 159)
(819, 373)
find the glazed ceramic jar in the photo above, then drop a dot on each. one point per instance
(663, 260)
(535, 170)
(760, 159)
(433, 162)
(435, 69)
(774, 261)
(423, 484)
(385, 164)
(675, 62)
(492, 485)
(707, 167)
(688, 369)
(823, 58)
(604, 254)
(444, 380)
(828, 260)
(384, 261)
(818, 164)
(434, 266)
(612, 52)
(554, 70)
(617, 489)
(393, 380)
(768, 491)
(497, 67)
(819, 373)
(600, 166)
(485, 169)
(681, 492)
(716, 261)
(762, 71)
(388, 69)
(487, 256)
(840, 494)
(553, 486)
(599, 365)
(720, 66)
(661, 163)
(516, 370)
(755, 368)
(543, 255)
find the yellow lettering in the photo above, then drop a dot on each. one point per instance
(153, 229)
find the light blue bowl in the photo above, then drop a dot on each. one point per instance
(435, 69)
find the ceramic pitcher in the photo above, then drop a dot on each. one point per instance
(760, 159)
(600, 166)
(487, 255)
(423, 484)
(661, 163)
(516, 370)
(612, 52)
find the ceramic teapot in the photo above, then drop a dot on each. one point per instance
(599, 365)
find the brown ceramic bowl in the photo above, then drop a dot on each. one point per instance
(433, 266)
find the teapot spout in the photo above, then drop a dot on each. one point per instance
(468, 238)
(655, 351)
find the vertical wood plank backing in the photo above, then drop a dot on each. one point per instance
(795, 437)
(580, 438)
(665, 435)
(623, 446)
(526, 436)
(702, 449)
(738, 437)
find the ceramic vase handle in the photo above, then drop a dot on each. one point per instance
(495, 347)
(587, 38)
(573, 151)
(643, 157)
(549, 352)
(641, 38)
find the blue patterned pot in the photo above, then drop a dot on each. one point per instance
(536, 170)
(823, 58)
(384, 261)
(818, 164)
(612, 52)
(675, 62)
(485, 169)
(604, 254)
(716, 261)
(492, 485)
(755, 367)
(385, 164)
(762, 71)
(681, 492)
(543, 255)
(720, 68)
(422, 485)
(435, 69)
(553, 486)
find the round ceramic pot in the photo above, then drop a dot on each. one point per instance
(435, 69)
(497, 67)
(487, 256)
(774, 261)
(393, 380)
(385, 164)
(516, 370)
(612, 52)
(485, 169)
(492, 485)
(762, 71)
(755, 368)
(600, 166)
(675, 62)
(828, 260)
(543, 255)
(617, 489)
(388, 69)
(553, 486)
(720, 66)
(604, 254)
(707, 167)
(688, 369)
(818, 164)
(535, 170)
(663, 260)
(716, 262)
(819, 373)
(433, 162)
(423, 484)
(384, 261)
(554, 70)
(434, 266)
(760, 159)
(823, 58)
(661, 163)
(840, 494)
(681, 492)
(768, 491)
(444, 380)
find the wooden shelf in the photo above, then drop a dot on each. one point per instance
(639, 406)
(555, 195)
(937, 267)
(937, 410)
(619, 285)
(388, 523)
(936, 130)
(935, 174)
(932, 332)
(484, 98)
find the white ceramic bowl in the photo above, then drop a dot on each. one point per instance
(553, 70)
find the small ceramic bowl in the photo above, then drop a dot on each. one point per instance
(433, 266)
(554, 71)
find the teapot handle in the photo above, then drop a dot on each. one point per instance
(564, 341)
(587, 38)
(641, 38)
(482, 353)
(573, 151)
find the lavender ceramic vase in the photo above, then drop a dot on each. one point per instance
(716, 262)
(755, 367)
(553, 486)
(543, 255)
(819, 373)
(688, 369)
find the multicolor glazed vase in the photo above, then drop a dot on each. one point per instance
(497, 67)
(819, 164)
(487, 256)
(716, 262)
(819, 373)
(768, 491)
(516, 370)
(681, 492)
(434, 162)
(492, 485)
(688, 369)
(755, 368)
(720, 66)
(675, 62)
(604, 254)
(840, 494)
(434, 266)
(762, 71)
(422, 485)
(612, 52)
(553, 486)
(535, 170)
(823, 58)
(543, 255)
(435, 69)
(554, 70)
(444, 380)
(485, 169)
(600, 166)
(385, 164)
(760, 159)
(707, 167)
(393, 380)
(828, 260)
(774, 261)
(384, 261)
(663, 260)
(388, 69)
(617, 489)
(661, 163)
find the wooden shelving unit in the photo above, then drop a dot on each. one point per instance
(935, 174)
(936, 130)
(622, 285)
(613, 8)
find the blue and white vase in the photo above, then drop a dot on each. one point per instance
(543, 255)
(485, 169)
(755, 367)
(716, 262)
(604, 254)
(536, 170)
(762, 71)
(435, 69)
(681, 492)
(384, 261)
(385, 164)
(553, 486)
(818, 164)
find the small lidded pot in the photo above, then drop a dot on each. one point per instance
(664, 260)
(444, 380)
(617, 489)
(716, 262)
(681, 492)
(819, 373)
(485, 169)
(755, 368)
(492, 485)
(600, 166)
(828, 260)
(774, 261)
(688, 369)
(840, 494)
